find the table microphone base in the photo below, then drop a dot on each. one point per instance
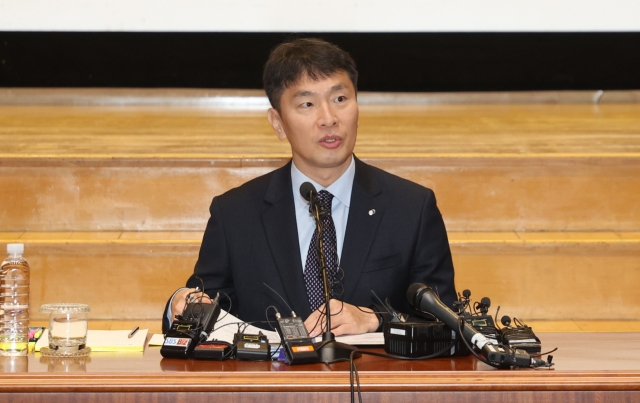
(330, 351)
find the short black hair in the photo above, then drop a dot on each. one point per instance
(315, 57)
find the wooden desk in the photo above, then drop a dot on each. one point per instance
(590, 367)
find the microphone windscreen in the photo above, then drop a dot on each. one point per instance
(412, 293)
(306, 189)
(486, 302)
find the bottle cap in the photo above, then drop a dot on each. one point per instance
(15, 248)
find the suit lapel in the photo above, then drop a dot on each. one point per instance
(279, 221)
(365, 213)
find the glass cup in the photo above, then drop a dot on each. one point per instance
(67, 329)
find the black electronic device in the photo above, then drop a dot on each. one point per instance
(510, 357)
(424, 298)
(417, 339)
(252, 347)
(481, 321)
(213, 350)
(297, 344)
(205, 314)
(181, 339)
(485, 325)
(190, 328)
(521, 336)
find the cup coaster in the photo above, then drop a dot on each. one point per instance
(47, 352)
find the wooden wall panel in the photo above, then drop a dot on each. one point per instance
(121, 281)
(563, 281)
(474, 194)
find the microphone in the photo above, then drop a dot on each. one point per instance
(329, 350)
(424, 298)
(308, 191)
(484, 305)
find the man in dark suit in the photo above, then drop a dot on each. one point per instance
(386, 232)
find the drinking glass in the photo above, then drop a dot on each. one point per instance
(67, 329)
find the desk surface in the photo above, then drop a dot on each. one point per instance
(585, 363)
(590, 368)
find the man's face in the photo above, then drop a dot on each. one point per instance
(320, 120)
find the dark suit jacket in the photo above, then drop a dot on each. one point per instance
(252, 238)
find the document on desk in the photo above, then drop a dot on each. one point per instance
(364, 339)
(106, 340)
(228, 325)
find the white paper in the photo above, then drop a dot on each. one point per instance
(157, 339)
(364, 339)
(226, 333)
(227, 326)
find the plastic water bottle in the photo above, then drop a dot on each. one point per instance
(14, 301)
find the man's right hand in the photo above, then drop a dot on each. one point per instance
(179, 300)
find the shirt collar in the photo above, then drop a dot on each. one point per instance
(340, 189)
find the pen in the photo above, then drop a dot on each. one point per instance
(134, 331)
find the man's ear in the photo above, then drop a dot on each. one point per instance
(276, 122)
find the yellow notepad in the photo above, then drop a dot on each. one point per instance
(107, 340)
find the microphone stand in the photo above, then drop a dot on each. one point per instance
(329, 350)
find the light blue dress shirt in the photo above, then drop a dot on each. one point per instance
(341, 191)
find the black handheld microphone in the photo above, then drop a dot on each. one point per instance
(424, 298)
